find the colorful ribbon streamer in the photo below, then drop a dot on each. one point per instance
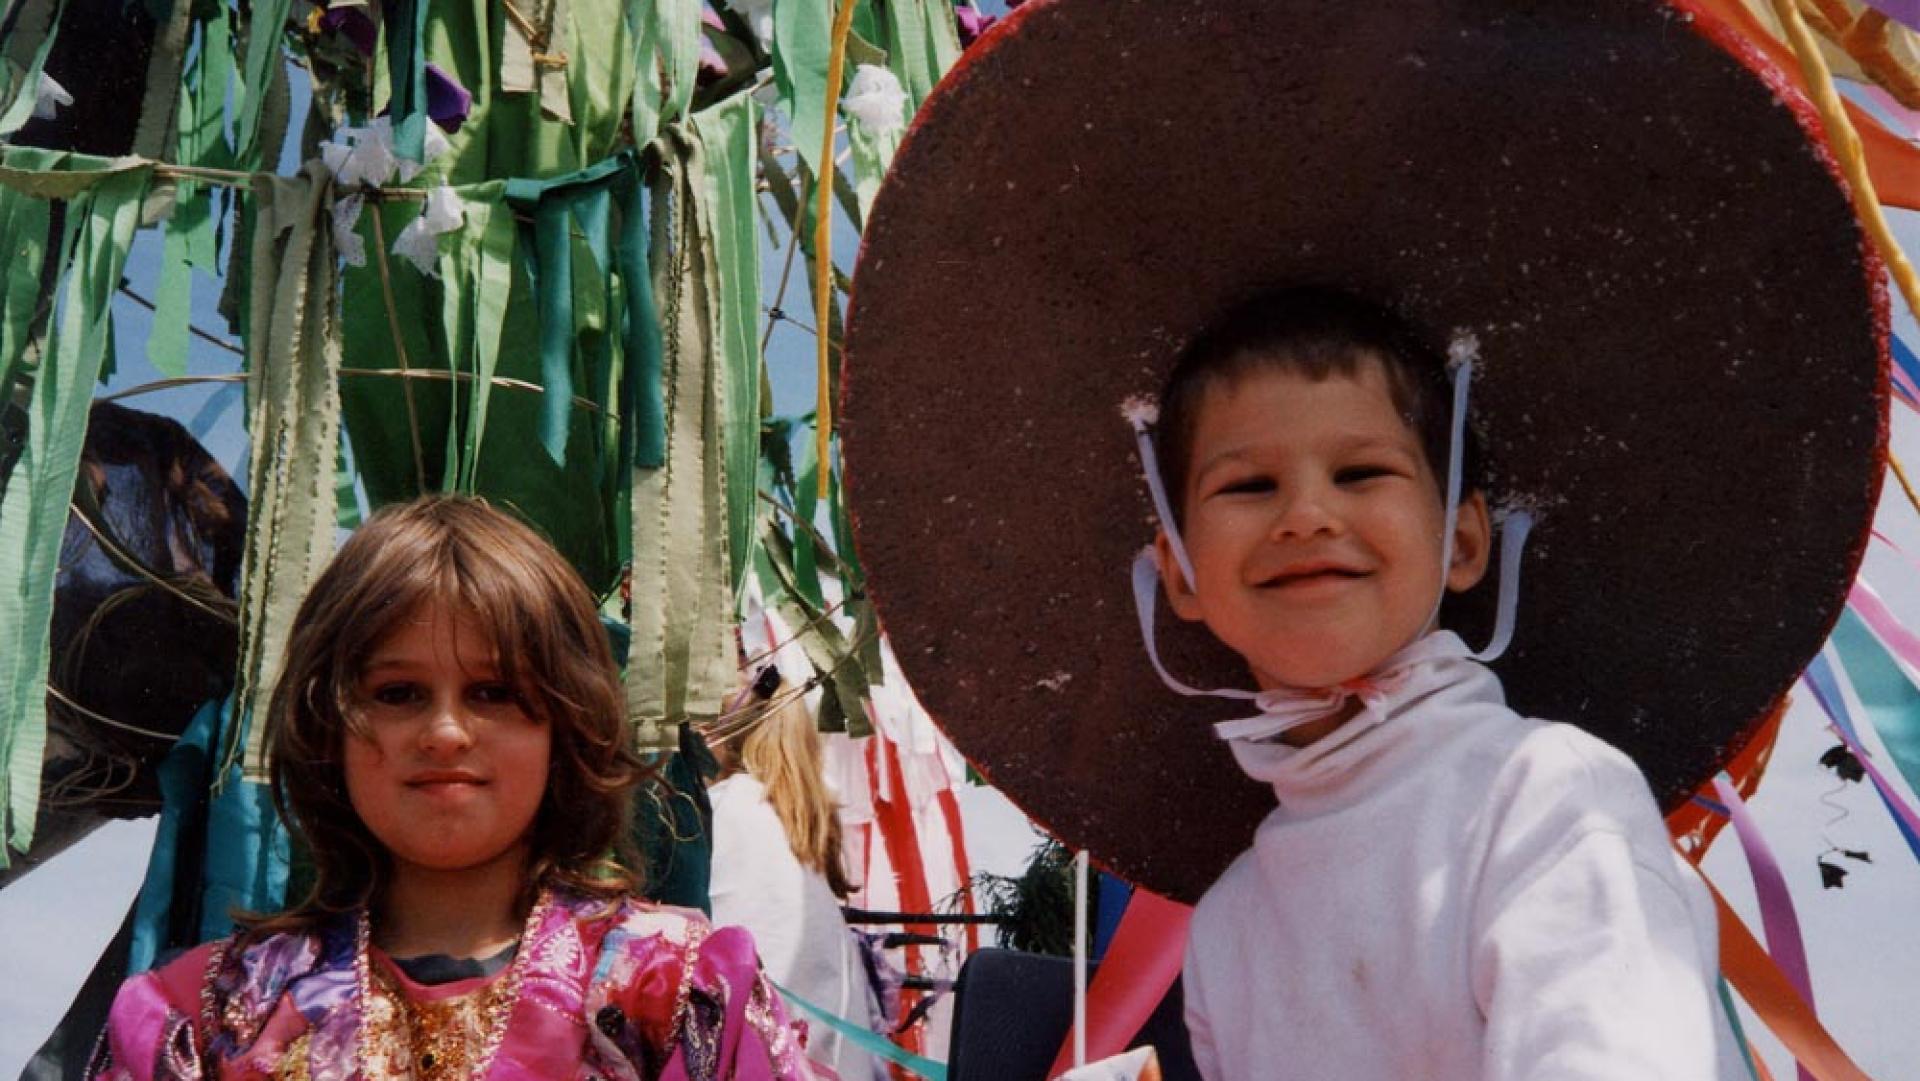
(1776, 904)
(1826, 690)
(1905, 12)
(1140, 966)
(868, 1040)
(1787, 1015)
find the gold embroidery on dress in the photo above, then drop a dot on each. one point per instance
(293, 1061)
(432, 1040)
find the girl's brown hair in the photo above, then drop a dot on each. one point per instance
(549, 643)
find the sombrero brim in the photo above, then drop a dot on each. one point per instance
(1682, 341)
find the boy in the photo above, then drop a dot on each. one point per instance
(1680, 339)
(1447, 889)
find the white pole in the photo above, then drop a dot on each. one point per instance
(1080, 959)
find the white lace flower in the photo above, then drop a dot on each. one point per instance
(876, 100)
(419, 242)
(49, 97)
(759, 17)
(358, 156)
(346, 234)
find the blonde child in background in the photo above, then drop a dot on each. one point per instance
(778, 872)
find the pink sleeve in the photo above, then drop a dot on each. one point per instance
(149, 1034)
(736, 1027)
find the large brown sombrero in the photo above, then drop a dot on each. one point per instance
(1682, 364)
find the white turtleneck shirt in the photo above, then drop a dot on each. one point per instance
(1449, 891)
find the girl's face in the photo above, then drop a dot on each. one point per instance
(451, 770)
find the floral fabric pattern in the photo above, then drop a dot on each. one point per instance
(623, 990)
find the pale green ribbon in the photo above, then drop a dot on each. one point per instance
(293, 369)
(103, 210)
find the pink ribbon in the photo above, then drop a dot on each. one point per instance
(1777, 916)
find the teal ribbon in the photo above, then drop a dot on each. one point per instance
(407, 77)
(1891, 700)
(868, 1040)
(556, 206)
(183, 790)
(1739, 1032)
(234, 838)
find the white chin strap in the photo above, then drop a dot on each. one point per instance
(1313, 704)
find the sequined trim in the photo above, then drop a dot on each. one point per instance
(439, 1040)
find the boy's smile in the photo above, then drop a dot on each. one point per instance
(1313, 521)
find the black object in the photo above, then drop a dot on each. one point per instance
(1012, 1010)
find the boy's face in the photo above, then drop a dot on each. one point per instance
(1313, 521)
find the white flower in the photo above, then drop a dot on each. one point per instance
(346, 235)
(49, 97)
(419, 242)
(358, 156)
(445, 210)
(876, 100)
(759, 17)
(365, 155)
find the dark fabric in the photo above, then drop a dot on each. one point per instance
(673, 826)
(1681, 336)
(1012, 1010)
(432, 969)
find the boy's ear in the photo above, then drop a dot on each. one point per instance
(1180, 593)
(1472, 543)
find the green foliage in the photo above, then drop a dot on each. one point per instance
(1035, 906)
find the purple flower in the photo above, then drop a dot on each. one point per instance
(973, 24)
(352, 23)
(448, 103)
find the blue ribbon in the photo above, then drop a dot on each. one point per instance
(1859, 662)
(868, 1040)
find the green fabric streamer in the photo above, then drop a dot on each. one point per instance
(59, 174)
(293, 370)
(24, 225)
(680, 665)
(575, 502)
(476, 263)
(33, 512)
(872, 156)
(803, 42)
(508, 135)
(642, 402)
(167, 340)
(159, 107)
(263, 66)
(25, 56)
(201, 123)
(345, 500)
(406, 75)
(555, 205)
(730, 132)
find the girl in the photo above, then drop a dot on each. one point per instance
(448, 742)
(777, 869)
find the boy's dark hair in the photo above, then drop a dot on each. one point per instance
(1315, 331)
